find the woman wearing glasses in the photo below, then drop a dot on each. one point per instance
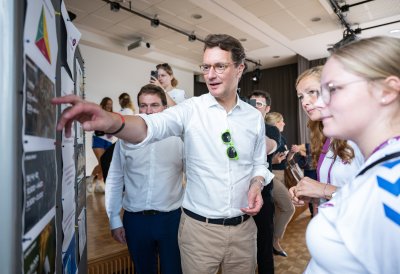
(168, 82)
(360, 101)
(337, 161)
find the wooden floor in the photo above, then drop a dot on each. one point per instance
(102, 245)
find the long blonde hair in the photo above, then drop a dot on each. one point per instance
(340, 148)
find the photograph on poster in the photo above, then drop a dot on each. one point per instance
(79, 84)
(82, 232)
(81, 162)
(81, 195)
(40, 114)
(39, 257)
(40, 177)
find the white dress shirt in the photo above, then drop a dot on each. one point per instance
(358, 231)
(152, 176)
(217, 187)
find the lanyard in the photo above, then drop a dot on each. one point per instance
(321, 158)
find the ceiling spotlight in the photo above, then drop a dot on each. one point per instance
(256, 75)
(192, 37)
(114, 6)
(155, 22)
(196, 16)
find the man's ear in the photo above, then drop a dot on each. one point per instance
(390, 90)
(241, 69)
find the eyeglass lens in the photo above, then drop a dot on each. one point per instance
(226, 137)
(231, 151)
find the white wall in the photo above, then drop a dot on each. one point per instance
(110, 74)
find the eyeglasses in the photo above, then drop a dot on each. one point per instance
(231, 150)
(218, 67)
(260, 104)
(328, 88)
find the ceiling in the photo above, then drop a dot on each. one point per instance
(273, 31)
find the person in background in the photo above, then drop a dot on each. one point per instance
(100, 143)
(337, 160)
(168, 82)
(152, 177)
(358, 230)
(126, 104)
(224, 144)
(265, 218)
(284, 208)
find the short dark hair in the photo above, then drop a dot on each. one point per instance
(153, 89)
(264, 94)
(228, 43)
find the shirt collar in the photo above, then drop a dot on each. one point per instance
(211, 101)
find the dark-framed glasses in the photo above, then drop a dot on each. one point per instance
(218, 67)
(328, 88)
(231, 150)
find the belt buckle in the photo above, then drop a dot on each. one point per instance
(149, 212)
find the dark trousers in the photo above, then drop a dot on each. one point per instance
(150, 235)
(265, 232)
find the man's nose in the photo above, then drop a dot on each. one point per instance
(211, 73)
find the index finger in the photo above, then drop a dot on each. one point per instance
(68, 99)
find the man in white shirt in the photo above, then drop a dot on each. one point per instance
(224, 142)
(152, 177)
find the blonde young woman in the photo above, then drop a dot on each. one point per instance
(126, 104)
(168, 82)
(337, 161)
(358, 230)
(284, 208)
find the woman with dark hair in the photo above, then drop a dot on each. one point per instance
(168, 82)
(100, 143)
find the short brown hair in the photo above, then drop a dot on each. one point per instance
(227, 43)
(153, 89)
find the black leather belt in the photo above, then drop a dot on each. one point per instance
(147, 212)
(223, 221)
